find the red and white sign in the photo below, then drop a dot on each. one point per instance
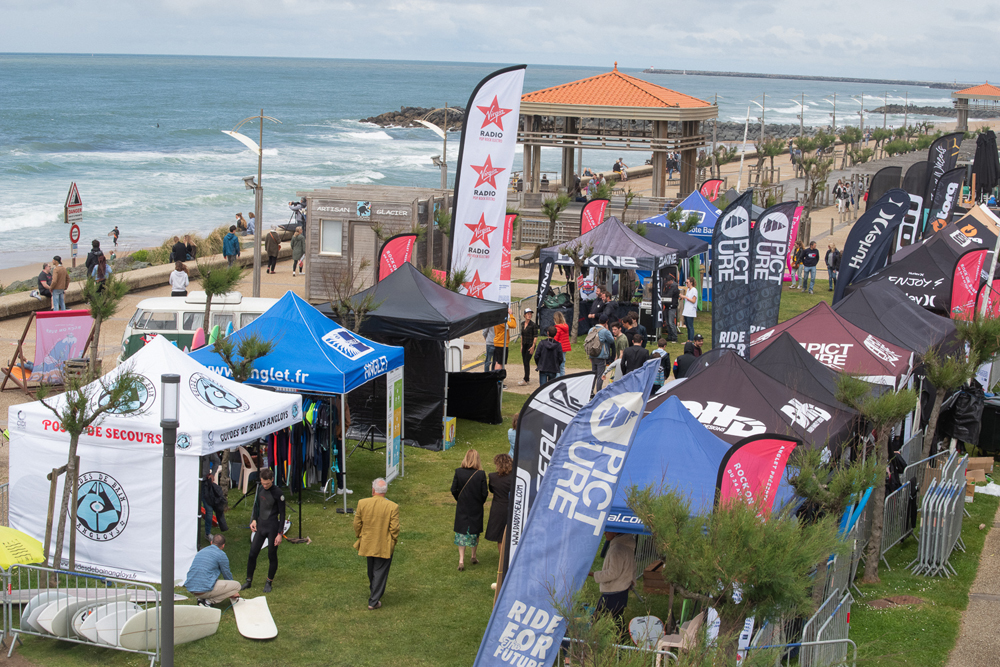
(505, 267)
(395, 252)
(74, 234)
(710, 189)
(965, 285)
(752, 470)
(74, 207)
(481, 243)
(592, 214)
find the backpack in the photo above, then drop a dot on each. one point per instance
(592, 345)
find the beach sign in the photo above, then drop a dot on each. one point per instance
(73, 210)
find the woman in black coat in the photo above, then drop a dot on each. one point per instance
(500, 482)
(469, 488)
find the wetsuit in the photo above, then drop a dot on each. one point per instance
(269, 513)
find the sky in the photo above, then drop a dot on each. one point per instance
(915, 39)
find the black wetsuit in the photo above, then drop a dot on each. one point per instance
(269, 513)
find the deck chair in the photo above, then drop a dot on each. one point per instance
(683, 640)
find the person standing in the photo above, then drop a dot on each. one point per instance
(298, 251)
(690, 305)
(488, 337)
(600, 362)
(179, 280)
(376, 525)
(832, 260)
(549, 356)
(671, 299)
(810, 258)
(60, 283)
(635, 356)
(213, 499)
(617, 575)
(95, 252)
(502, 333)
(101, 271)
(621, 340)
(664, 370)
(231, 245)
(499, 484)
(203, 576)
(267, 521)
(470, 490)
(529, 332)
(562, 337)
(272, 245)
(796, 264)
(44, 283)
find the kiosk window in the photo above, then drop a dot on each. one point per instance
(331, 237)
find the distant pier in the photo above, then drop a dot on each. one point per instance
(807, 77)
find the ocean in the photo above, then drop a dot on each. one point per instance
(142, 135)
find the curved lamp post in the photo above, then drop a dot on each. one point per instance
(258, 189)
(441, 161)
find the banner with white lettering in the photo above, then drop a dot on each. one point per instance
(395, 252)
(546, 266)
(592, 214)
(732, 303)
(485, 158)
(770, 242)
(753, 468)
(942, 157)
(941, 208)
(868, 244)
(564, 530)
(542, 421)
(965, 284)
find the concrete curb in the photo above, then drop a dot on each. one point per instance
(14, 305)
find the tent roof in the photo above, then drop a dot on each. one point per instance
(614, 89)
(883, 310)
(216, 413)
(984, 91)
(698, 203)
(842, 346)
(735, 400)
(787, 361)
(411, 305)
(312, 354)
(732, 194)
(658, 230)
(612, 238)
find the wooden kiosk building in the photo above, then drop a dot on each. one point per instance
(984, 96)
(615, 112)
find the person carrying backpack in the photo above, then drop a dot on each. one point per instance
(598, 346)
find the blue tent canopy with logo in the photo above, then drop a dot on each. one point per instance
(312, 353)
(695, 203)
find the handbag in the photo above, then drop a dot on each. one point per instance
(467, 483)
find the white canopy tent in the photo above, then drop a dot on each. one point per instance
(120, 490)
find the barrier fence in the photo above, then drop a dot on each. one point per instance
(105, 602)
(915, 471)
(812, 628)
(4, 505)
(895, 519)
(940, 533)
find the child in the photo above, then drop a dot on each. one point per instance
(661, 353)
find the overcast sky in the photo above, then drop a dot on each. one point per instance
(915, 39)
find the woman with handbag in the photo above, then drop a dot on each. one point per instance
(470, 490)
(500, 483)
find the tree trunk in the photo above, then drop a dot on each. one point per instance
(932, 421)
(877, 502)
(552, 233)
(224, 475)
(730, 628)
(208, 309)
(71, 474)
(95, 348)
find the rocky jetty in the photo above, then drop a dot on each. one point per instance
(407, 117)
(944, 112)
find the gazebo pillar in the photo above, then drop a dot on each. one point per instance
(526, 154)
(536, 158)
(569, 127)
(689, 158)
(659, 160)
(962, 105)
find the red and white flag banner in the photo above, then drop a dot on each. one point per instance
(508, 239)
(395, 252)
(592, 214)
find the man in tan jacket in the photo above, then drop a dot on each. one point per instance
(617, 575)
(376, 525)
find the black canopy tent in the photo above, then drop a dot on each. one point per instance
(420, 315)
(686, 244)
(884, 310)
(787, 361)
(614, 247)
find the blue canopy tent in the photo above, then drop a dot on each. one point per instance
(312, 354)
(707, 215)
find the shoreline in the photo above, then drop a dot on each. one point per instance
(939, 85)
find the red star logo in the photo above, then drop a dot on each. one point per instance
(494, 114)
(481, 231)
(476, 286)
(487, 173)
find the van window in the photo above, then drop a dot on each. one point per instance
(153, 321)
(135, 318)
(221, 320)
(191, 321)
(247, 318)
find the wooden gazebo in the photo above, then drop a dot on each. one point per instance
(984, 96)
(615, 112)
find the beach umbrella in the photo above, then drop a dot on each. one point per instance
(16, 548)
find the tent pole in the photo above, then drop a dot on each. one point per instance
(402, 427)
(343, 443)
(444, 417)
(300, 511)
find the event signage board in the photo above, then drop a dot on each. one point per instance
(945, 198)
(393, 423)
(566, 525)
(61, 336)
(369, 211)
(395, 252)
(542, 421)
(592, 214)
(870, 239)
(942, 157)
(732, 309)
(770, 242)
(485, 159)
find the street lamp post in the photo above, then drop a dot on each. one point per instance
(258, 200)
(834, 115)
(170, 385)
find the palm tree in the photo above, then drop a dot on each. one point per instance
(216, 282)
(103, 301)
(552, 208)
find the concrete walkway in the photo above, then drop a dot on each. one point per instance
(978, 639)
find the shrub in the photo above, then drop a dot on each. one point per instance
(140, 255)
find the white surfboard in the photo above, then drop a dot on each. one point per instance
(88, 628)
(110, 626)
(35, 606)
(57, 619)
(191, 622)
(253, 618)
(645, 631)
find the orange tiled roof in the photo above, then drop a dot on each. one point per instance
(987, 89)
(614, 89)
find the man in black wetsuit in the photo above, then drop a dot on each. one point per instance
(267, 520)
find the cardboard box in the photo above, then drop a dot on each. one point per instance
(450, 425)
(977, 475)
(930, 474)
(652, 579)
(970, 492)
(984, 463)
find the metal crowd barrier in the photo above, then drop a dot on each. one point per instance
(836, 628)
(940, 528)
(812, 628)
(645, 554)
(809, 647)
(863, 533)
(914, 472)
(4, 505)
(895, 521)
(656, 656)
(910, 451)
(113, 599)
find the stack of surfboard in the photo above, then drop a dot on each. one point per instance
(112, 618)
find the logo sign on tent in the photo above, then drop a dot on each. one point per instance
(485, 158)
(752, 470)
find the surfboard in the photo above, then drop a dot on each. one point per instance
(645, 631)
(85, 622)
(253, 618)
(35, 606)
(229, 329)
(214, 336)
(49, 611)
(191, 622)
(108, 627)
(57, 619)
(199, 339)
